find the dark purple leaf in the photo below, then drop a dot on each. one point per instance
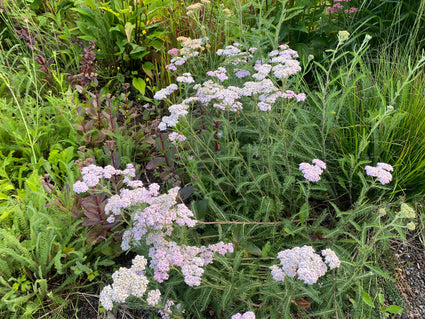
(155, 162)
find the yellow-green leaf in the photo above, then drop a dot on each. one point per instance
(140, 85)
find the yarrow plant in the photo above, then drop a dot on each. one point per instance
(304, 263)
(133, 282)
(313, 172)
(152, 220)
(279, 65)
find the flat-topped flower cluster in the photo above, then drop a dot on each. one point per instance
(304, 263)
(260, 78)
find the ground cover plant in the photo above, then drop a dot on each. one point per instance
(184, 159)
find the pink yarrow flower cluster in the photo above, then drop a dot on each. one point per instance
(220, 74)
(337, 6)
(304, 263)
(313, 172)
(155, 223)
(93, 174)
(165, 313)
(382, 171)
(175, 137)
(246, 315)
(280, 64)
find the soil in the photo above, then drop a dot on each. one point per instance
(410, 279)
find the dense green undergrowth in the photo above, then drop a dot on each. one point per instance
(240, 159)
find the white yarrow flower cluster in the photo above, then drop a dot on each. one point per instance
(280, 63)
(220, 74)
(303, 263)
(185, 78)
(154, 296)
(126, 282)
(162, 94)
(93, 174)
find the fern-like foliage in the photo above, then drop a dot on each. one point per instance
(38, 251)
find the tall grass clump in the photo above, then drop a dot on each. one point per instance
(371, 106)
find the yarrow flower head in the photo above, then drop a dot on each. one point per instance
(154, 296)
(246, 315)
(331, 258)
(313, 172)
(175, 137)
(382, 171)
(80, 187)
(303, 263)
(173, 51)
(126, 282)
(162, 94)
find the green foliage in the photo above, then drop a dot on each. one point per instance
(43, 26)
(392, 24)
(40, 254)
(373, 113)
(125, 32)
(240, 170)
(307, 26)
(34, 125)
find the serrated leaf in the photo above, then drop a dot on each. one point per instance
(266, 249)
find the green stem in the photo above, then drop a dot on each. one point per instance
(31, 141)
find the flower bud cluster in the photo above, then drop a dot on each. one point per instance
(337, 6)
(303, 263)
(175, 137)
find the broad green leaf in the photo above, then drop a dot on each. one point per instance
(129, 27)
(366, 299)
(394, 309)
(140, 85)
